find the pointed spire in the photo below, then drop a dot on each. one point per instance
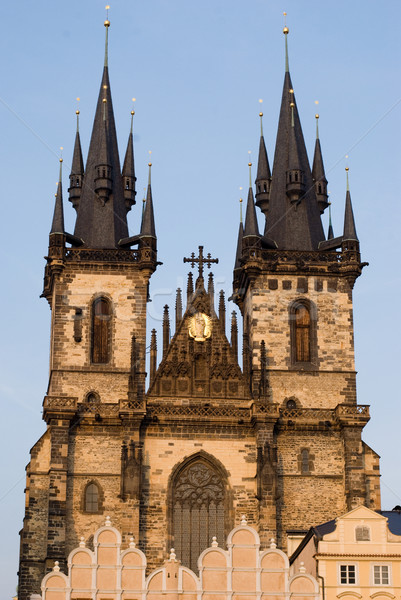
(166, 330)
(148, 228)
(190, 288)
(128, 172)
(101, 224)
(234, 334)
(58, 215)
(263, 177)
(222, 311)
(318, 173)
(77, 170)
(292, 225)
(330, 232)
(178, 309)
(349, 221)
(251, 222)
(153, 356)
(210, 290)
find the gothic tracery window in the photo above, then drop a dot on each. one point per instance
(303, 326)
(302, 334)
(198, 505)
(101, 330)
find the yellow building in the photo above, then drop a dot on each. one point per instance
(357, 555)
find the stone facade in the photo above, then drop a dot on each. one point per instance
(209, 440)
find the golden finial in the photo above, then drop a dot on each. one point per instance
(106, 46)
(61, 163)
(240, 210)
(77, 112)
(107, 22)
(291, 91)
(250, 174)
(285, 30)
(317, 125)
(261, 115)
(347, 170)
(150, 167)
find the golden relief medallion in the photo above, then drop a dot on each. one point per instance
(200, 327)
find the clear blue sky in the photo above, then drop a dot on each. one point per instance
(197, 71)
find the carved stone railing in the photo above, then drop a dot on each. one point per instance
(102, 255)
(196, 411)
(294, 256)
(307, 414)
(132, 405)
(60, 403)
(103, 409)
(353, 410)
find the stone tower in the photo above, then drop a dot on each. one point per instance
(209, 441)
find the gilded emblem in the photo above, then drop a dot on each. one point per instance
(200, 327)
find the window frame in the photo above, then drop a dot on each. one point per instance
(313, 362)
(347, 565)
(380, 566)
(108, 318)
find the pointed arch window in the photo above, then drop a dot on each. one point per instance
(92, 498)
(303, 334)
(101, 331)
(199, 510)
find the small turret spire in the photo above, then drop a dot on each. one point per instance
(166, 330)
(251, 222)
(222, 311)
(178, 309)
(234, 334)
(77, 169)
(318, 174)
(263, 177)
(58, 215)
(128, 172)
(349, 221)
(148, 228)
(330, 232)
(153, 356)
(210, 290)
(190, 288)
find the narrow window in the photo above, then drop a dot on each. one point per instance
(381, 574)
(127, 184)
(347, 574)
(305, 461)
(101, 326)
(92, 498)
(291, 404)
(258, 187)
(302, 334)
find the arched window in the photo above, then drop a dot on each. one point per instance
(92, 498)
(198, 510)
(291, 404)
(302, 334)
(101, 330)
(303, 329)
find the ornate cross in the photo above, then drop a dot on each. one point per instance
(201, 260)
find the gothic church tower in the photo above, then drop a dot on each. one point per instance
(209, 441)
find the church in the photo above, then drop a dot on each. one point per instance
(178, 459)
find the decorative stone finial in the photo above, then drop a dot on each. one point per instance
(82, 542)
(132, 542)
(243, 520)
(173, 555)
(56, 567)
(302, 568)
(273, 543)
(215, 543)
(108, 522)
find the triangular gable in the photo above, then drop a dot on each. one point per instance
(199, 362)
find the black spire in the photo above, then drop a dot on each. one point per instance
(330, 232)
(148, 228)
(293, 225)
(58, 215)
(128, 171)
(349, 221)
(101, 220)
(318, 173)
(263, 177)
(251, 222)
(77, 170)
